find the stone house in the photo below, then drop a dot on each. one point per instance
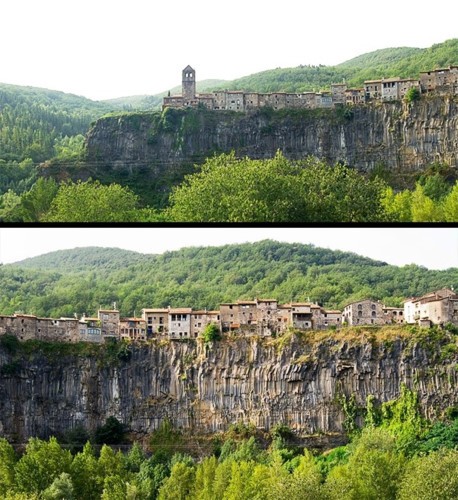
(331, 318)
(373, 89)
(393, 314)
(338, 93)
(434, 308)
(157, 322)
(390, 89)
(109, 321)
(405, 85)
(354, 96)
(442, 79)
(132, 328)
(363, 312)
(90, 330)
(301, 315)
(180, 323)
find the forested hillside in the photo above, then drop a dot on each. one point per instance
(81, 280)
(402, 61)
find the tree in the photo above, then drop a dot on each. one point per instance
(60, 489)
(434, 476)
(92, 202)
(373, 470)
(423, 208)
(275, 190)
(37, 202)
(111, 432)
(10, 207)
(211, 333)
(413, 94)
(8, 460)
(180, 484)
(42, 462)
(84, 474)
(450, 205)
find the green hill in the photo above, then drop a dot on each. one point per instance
(389, 62)
(80, 280)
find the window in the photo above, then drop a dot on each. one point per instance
(360, 314)
(373, 307)
(360, 307)
(373, 314)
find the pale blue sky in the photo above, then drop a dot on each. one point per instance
(434, 248)
(111, 48)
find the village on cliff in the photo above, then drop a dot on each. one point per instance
(261, 317)
(443, 81)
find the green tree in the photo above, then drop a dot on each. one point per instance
(413, 94)
(373, 471)
(275, 190)
(211, 333)
(431, 477)
(114, 488)
(10, 207)
(42, 462)
(423, 208)
(111, 432)
(450, 205)
(92, 202)
(397, 205)
(84, 473)
(8, 460)
(60, 489)
(37, 202)
(180, 484)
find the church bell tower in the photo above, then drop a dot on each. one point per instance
(188, 84)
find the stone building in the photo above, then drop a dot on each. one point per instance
(338, 93)
(109, 322)
(363, 312)
(180, 323)
(132, 328)
(157, 322)
(393, 314)
(354, 96)
(442, 80)
(435, 308)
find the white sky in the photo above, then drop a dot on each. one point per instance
(434, 248)
(111, 48)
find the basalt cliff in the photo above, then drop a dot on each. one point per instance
(206, 387)
(160, 148)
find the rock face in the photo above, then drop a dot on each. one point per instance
(206, 388)
(397, 135)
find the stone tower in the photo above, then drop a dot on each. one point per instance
(188, 84)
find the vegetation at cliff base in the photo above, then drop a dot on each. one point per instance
(396, 455)
(276, 190)
(230, 189)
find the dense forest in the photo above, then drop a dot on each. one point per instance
(80, 280)
(39, 125)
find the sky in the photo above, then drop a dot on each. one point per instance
(433, 248)
(105, 49)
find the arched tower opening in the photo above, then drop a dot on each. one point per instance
(188, 84)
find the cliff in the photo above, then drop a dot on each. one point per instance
(152, 151)
(296, 380)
